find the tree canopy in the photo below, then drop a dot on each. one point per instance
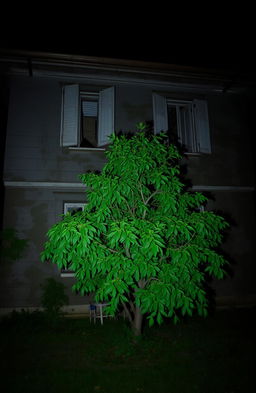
(142, 241)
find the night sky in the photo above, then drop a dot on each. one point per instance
(225, 52)
(215, 37)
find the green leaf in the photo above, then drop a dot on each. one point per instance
(151, 321)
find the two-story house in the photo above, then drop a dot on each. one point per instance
(57, 113)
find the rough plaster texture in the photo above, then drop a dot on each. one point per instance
(33, 153)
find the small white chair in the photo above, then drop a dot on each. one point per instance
(97, 311)
(92, 308)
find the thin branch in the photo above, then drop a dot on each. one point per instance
(146, 201)
(186, 244)
(127, 252)
(152, 195)
(151, 279)
(141, 193)
(142, 283)
(130, 210)
(107, 248)
(144, 214)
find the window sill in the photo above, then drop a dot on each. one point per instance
(87, 148)
(192, 154)
(67, 274)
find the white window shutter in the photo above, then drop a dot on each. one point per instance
(202, 126)
(160, 113)
(70, 116)
(106, 115)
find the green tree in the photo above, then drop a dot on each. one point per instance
(142, 242)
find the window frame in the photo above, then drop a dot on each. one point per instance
(71, 111)
(74, 205)
(68, 272)
(88, 96)
(189, 139)
(199, 135)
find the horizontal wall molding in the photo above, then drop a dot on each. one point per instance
(222, 188)
(37, 184)
(80, 186)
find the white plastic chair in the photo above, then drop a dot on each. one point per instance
(97, 311)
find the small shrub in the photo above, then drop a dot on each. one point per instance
(53, 298)
(11, 246)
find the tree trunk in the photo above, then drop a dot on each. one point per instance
(137, 322)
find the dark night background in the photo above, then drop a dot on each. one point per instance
(218, 40)
(193, 34)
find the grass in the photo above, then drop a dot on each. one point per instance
(212, 355)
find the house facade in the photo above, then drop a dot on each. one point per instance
(58, 111)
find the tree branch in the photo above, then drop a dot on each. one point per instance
(141, 193)
(142, 283)
(151, 279)
(130, 210)
(107, 248)
(146, 201)
(152, 195)
(127, 312)
(127, 252)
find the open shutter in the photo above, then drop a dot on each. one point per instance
(106, 115)
(160, 113)
(202, 126)
(70, 116)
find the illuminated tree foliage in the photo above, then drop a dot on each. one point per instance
(142, 243)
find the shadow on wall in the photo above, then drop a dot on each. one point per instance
(12, 247)
(38, 229)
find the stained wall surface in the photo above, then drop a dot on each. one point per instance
(33, 155)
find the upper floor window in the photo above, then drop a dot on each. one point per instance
(185, 121)
(87, 117)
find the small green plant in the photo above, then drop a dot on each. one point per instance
(11, 246)
(53, 298)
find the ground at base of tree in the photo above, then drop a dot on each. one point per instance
(205, 355)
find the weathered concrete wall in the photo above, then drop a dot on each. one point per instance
(32, 212)
(133, 104)
(231, 162)
(239, 245)
(33, 153)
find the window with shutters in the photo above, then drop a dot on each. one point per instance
(87, 117)
(185, 121)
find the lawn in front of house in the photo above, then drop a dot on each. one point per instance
(212, 355)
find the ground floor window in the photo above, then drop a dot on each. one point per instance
(71, 208)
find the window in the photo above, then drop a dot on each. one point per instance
(87, 117)
(71, 208)
(185, 121)
(89, 121)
